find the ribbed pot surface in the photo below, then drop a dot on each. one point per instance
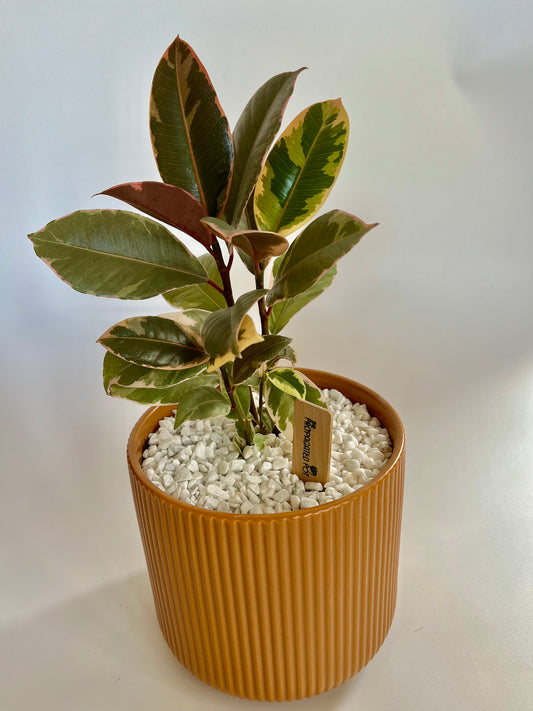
(275, 606)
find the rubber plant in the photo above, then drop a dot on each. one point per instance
(234, 193)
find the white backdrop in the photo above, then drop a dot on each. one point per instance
(433, 309)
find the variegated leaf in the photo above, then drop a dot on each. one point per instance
(201, 296)
(256, 355)
(301, 168)
(280, 406)
(280, 402)
(312, 393)
(154, 342)
(116, 253)
(283, 311)
(123, 374)
(252, 137)
(167, 203)
(200, 402)
(314, 252)
(157, 396)
(259, 245)
(287, 380)
(221, 330)
(190, 135)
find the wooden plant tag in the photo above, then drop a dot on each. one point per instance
(311, 444)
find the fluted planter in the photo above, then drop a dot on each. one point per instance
(275, 606)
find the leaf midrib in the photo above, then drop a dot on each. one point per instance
(298, 176)
(67, 245)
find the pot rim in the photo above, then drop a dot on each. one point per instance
(397, 453)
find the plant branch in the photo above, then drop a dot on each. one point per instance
(260, 284)
(253, 408)
(261, 395)
(245, 422)
(224, 273)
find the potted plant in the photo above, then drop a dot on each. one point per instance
(274, 603)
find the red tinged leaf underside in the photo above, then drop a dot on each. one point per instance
(167, 203)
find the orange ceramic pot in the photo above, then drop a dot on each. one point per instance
(275, 606)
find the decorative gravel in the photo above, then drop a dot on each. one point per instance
(199, 464)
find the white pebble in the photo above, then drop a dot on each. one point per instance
(200, 464)
(222, 467)
(217, 491)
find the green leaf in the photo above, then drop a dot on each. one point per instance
(257, 244)
(221, 328)
(314, 252)
(288, 353)
(154, 342)
(301, 168)
(259, 440)
(288, 381)
(241, 395)
(116, 253)
(167, 203)
(253, 357)
(190, 135)
(283, 311)
(252, 137)
(201, 296)
(123, 374)
(200, 403)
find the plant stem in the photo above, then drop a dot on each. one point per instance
(246, 424)
(229, 390)
(260, 284)
(224, 273)
(253, 409)
(261, 390)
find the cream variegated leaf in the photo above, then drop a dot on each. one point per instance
(155, 342)
(123, 374)
(222, 333)
(301, 168)
(314, 252)
(283, 311)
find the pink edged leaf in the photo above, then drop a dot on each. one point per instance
(257, 244)
(190, 133)
(252, 137)
(116, 253)
(167, 203)
(314, 252)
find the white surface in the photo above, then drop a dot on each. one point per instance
(440, 100)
